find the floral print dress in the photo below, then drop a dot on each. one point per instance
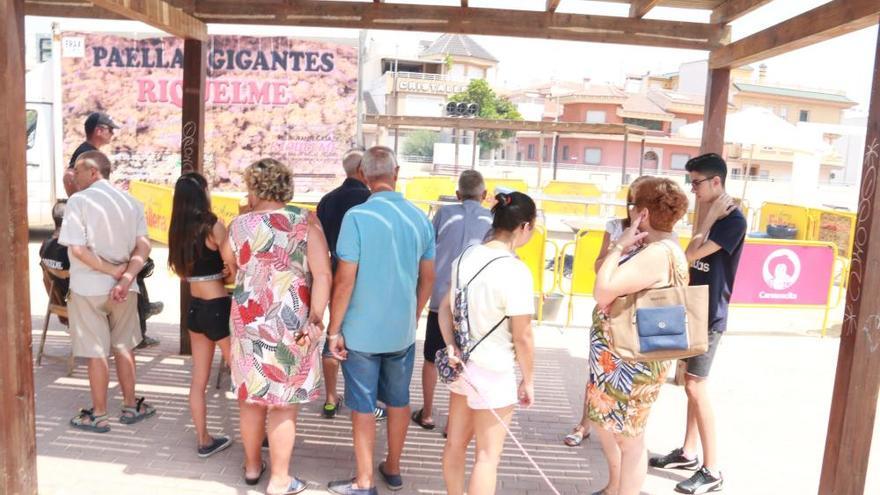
(269, 305)
(622, 392)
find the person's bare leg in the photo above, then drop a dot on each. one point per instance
(330, 366)
(490, 442)
(633, 464)
(429, 385)
(398, 424)
(125, 371)
(364, 431)
(698, 394)
(459, 432)
(252, 425)
(692, 431)
(202, 356)
(612, 458)
(282, 435)
(99, 381)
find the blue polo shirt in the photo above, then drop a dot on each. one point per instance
(387, 236)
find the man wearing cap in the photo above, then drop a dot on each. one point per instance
(99, 131)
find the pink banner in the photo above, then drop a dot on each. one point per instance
(780, 274)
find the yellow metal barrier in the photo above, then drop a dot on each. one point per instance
(514, 184)
(574, 189)
(834, 226)
(157, 207)
(587, 245)
(781, 214)
(226, 205)
(421, 189)
(533, 254)
(621, 211)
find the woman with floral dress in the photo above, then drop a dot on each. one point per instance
(621, 392)
(282, 286)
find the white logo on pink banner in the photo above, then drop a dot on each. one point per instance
(782, 268)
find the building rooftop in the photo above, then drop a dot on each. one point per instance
(793, 93)
(459, 45)
(639, 103)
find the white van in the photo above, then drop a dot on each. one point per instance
(43, 180)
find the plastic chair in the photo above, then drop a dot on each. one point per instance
(57, 306)
(587, 245)
(533, 254)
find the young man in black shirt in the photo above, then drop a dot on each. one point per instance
(714, 254)
(99, 129)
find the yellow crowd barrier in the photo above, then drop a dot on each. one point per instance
(574, 189)
(423, 190)
(813, 224)
(587, 245)
(157, 207)
(533, 254)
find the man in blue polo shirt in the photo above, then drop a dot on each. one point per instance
(382, 283)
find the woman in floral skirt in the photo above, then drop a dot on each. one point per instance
(282, 287)
(621, 392)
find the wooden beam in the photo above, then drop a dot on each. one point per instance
(495, 22)
(160, 15)
(715, 111)
(639, 8)
(59, 8)
(732, 10)
(827, 21)
(552, 5)
(18, 459)
(856, 385)
(464, 3)
(498, 124)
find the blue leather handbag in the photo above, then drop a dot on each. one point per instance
(662, 329)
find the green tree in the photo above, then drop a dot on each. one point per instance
(420, 143)
(492, 106)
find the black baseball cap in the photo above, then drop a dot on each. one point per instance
(98, 118)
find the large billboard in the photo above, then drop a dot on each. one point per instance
(290, 99)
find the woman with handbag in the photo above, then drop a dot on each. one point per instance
(486, 323)
(621, 391)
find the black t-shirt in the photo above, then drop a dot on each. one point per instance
(85, 146)
(54, 255)
(718, 270)
(333, 206)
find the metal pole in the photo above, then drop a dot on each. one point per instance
(359, 132)
(474, 151)
(555, 155)
(642, 159)
(396, 129)
(455, 137)
(540, 158)
(623, 165)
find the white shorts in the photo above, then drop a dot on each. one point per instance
(497, 389)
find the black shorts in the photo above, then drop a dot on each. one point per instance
(700, 365)
(210, 317)
(433, 338)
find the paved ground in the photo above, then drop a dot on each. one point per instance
(772, 386)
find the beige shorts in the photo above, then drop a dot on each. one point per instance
(98, 325)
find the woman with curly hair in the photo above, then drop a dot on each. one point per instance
(194, 238)
(621, 392)
(280, 260)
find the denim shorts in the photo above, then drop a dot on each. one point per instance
(699, 366)
(384, 376)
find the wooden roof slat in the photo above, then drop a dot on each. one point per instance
(499, 124)
(552, 5)
(824, 22)
(61, 8)
(639, 8)
(481, 21)
(159, 14)
(732, 10)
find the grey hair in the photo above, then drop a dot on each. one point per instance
(97, 161)
(379, 161)
(351, 161)
(471, 185)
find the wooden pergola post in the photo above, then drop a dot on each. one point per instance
(715, 111)
(18, 449)
(192, 143)
(856, 385)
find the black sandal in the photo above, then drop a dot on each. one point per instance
(86, 420)
(254, 481)
(417, 418)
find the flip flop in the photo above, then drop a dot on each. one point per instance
(417, 418)
(330, 410)
(576, 437)
(254, 481)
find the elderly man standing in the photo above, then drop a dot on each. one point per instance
(106, 235)
(382, 283)
(456, 227)
(332, 207)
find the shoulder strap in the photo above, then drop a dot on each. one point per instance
(458, 268)
(488, 334)
(675, 278)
